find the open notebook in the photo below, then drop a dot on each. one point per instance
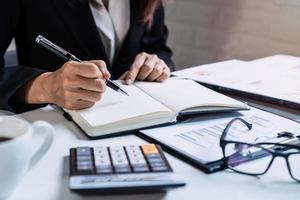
(150, 104)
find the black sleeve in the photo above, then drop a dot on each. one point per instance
(155, 39)
(12, 79)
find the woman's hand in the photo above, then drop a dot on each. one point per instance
(147, 67)
(74, 86)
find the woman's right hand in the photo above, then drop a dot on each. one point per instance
(74, 86)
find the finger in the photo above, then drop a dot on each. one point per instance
(81, 104)
(157, 71)
(135, 68)
(123, 76)
(148, 67)
(103, 68)
(96, 85)
(85, 69)
(164, 76)
(87, 95)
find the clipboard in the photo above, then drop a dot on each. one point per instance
(276, 124)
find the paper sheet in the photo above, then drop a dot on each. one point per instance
(200, 139)
(276, 76)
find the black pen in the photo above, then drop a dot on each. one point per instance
(60, 52)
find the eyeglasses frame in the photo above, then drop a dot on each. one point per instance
(224, 142)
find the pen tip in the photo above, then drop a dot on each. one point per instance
(123, 92)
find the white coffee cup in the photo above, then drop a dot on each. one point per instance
(16, 156)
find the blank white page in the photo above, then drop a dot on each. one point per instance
(117, 107)
(180, 95)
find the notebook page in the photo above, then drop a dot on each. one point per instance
(180, 95)
(116, 107)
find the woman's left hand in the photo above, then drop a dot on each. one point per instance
(146, 67)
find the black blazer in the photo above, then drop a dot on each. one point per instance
(70, 24)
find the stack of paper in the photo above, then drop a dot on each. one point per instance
(276, 77)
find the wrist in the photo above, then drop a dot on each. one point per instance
(37, 91)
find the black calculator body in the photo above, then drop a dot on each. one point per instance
(120, 168)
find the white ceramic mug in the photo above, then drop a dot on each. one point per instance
(16, 156)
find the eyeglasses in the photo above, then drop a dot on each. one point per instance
(256, 158)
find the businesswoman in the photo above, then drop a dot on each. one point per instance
(117, 39)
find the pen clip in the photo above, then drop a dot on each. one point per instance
(41, 40)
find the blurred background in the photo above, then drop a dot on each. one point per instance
(206, 31)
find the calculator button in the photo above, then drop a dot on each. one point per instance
(100, 151)
(140, 168)
(160, 169)
(80, 163)
(138, 161)
(154, 160)
(153, 155)
(119, 160)
(101, 157)
(104, 169)
(122, 169)
(119, 157)
(158, 164)
(105, 162)
(100, 148)
(84, 158)
(149, 149)
(135, 155)
(133, 149)
(83, 151)
(84, 167)
(102, 160)
(116, 149)
(140, 165)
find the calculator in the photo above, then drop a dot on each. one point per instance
(132, 167)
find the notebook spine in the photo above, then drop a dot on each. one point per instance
(67, 116)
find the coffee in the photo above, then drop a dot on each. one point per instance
(3, 139)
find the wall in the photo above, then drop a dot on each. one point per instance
(204, 31)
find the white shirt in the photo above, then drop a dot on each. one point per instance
(113, 24)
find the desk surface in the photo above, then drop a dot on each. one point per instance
(49, 178)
